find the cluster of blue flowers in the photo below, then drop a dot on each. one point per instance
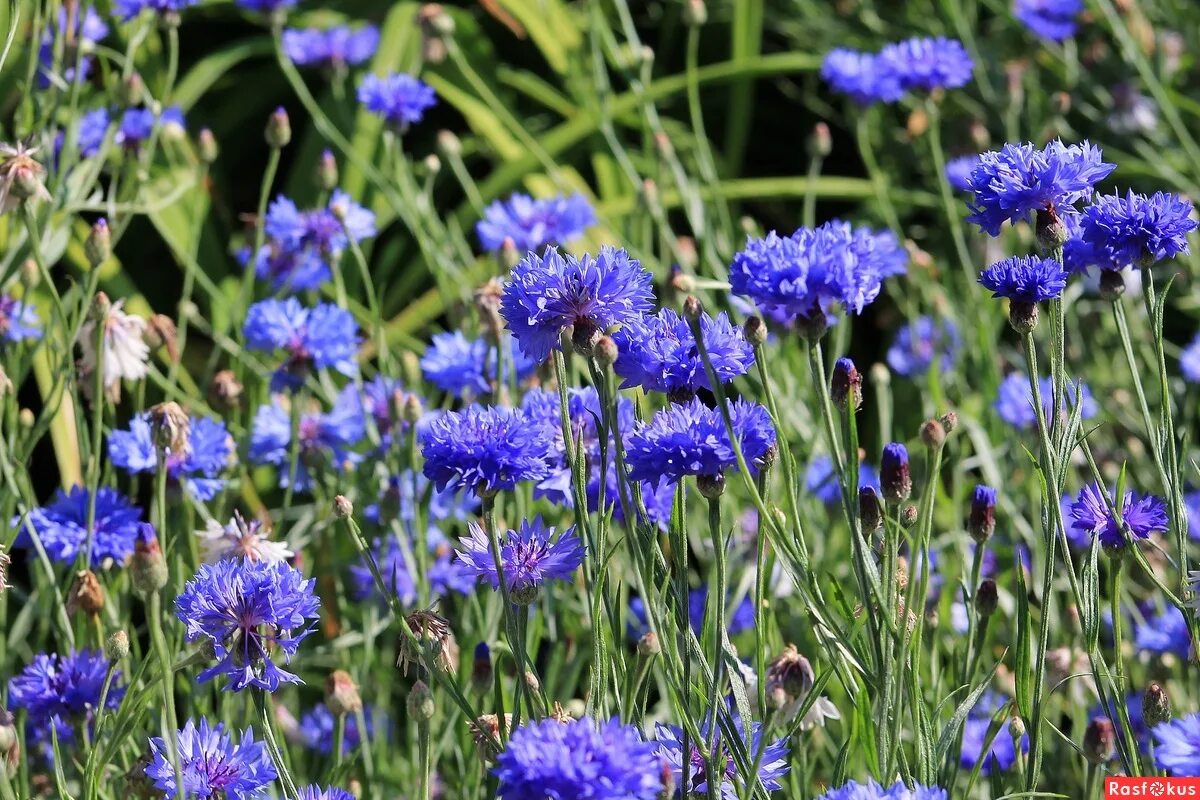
(920, 64)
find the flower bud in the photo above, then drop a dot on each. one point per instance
(116, 646)
(820, 143)
(756, 331)
(148, 568)
(1023, 317)
(909, 515)
(869, 511)
(31, 276)
(1100, 741)
(206, 146)
(711, 486)
(845, 386)
(918, 123)
(327, 171)
(342, 507)
(279, 129)
(894, 475)
(448, 144)
(986, 598)
(10, 744)
(695, 13)
(1156, 705)
(482, 672)
(584, 335)
(605, 352)
(420, 703)
(692, 309)
(413, 410)
(225, 391)
(170, 425)
(949, 421)
(86, 594)
(812, 326)
(649, 646)
(341, 694)
(933, 434)
(1051, 231)
(98, 246)
(1016, 729)
(132, 90)
(982, 522)
(1112, 284)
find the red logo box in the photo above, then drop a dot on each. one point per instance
(1115, 788)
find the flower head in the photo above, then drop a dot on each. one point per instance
(581, 759)
(20, 176)
(853, 790)
(1025, 279)
(337, 47)
(247, 609)
(864, 77)
(317, 793)
(486, 449)
(998, 757)
(240, 539)
(691, 439)
(212, 764)
(18, 320)
(327, 230)
(1014, 400)
(128, 9)
(125, 354)
(1140, 516)
(81, 31)
(1019, 179)
(1052, 20)
(689, 768)
(400, 99)
(928, 63)
(532, 224)
(325, 437)
(529, 556)
(67, 687)
(461, 366)
(958, 172)
(821, 480)
(548, 293)
(1163, 633)
(1136, 229)
(660, 354)
(198, 465)
(317, 727)
(320, 337)
(922, 342)
(62, 526)
(1177, 745)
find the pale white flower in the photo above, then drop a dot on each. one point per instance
(240, 539)
(126, 354)
(20, 176)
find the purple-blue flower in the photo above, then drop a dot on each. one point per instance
(534, 223)
(1025, 279)
(137, 125)
(318, 725)
(546, 294)
(321, 337)
(315, 792)
(1177, 746)
(1136, 229)
(1052, 20)
(530, 555)
(62, 526)
(689, 768)
(1020, 179)
(325, 437)
(266, 6)
(128, 9)
(999, 757)
(740, 617)
(1189, 361)
(198, 467)
(958, 172)
(400, 99)
(18, 320)
(445, 573)
(864, 77)
(88, 28)
(1163, 633)
(93, 127)
(920, 342)
(485, 449)
(213, 764)
(327, 230)
(820, 479)
(660, 354)
(1014, 400)
(853, 790)
(63, 689)
(337, 47)
(691, 439)
(581, 759)
(1142, 515)
(928, 63)
(249, 611)
(461, 366)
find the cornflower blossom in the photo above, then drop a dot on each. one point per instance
(83, 31)
(337, 48)
(317, 793)
(578, 758)
(1000, 756)
(128, 9)
(958, 172)
(461, 366)
(1014, 400)
(547, 294)
(691, 439)
(124, 354)
(853, 790)
(1136, 229)
(20, 177)
(197, 466)
(18, 321)
(1025, 279)
(1052, 20)
(246, 610)
(863, 77)
(689, 769)
(1177, 745)
(213, 765)
(660, 354)
(401, 100)
(61, 526)
(325, 437)
(318, 725)
(1164, 633)
(1140, 516)
(484, 449)
(921, 343)
(302, 245)
(928, 63)
(58, 689)
(531, 224)
(321, 337)
(530, 555)
(821, 480)
(240, 538)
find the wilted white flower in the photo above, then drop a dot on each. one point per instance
(125, 350)
(240, 539)
(20, 176)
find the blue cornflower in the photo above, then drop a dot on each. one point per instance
(581, 759)
(209, 447)
(1191, 504)
(548, 293)
(287, 270)
(1177, 747)
(399, 499)
(337, 47)
(690, 439)
(247, 609)
(529, 556)
(878, 252)
(1020, 179)
(266, 6)
(1014, 400)
(863, 77)
(485, 449)
(1142, 515)
(93, 127)
(928, 63)
(324, 336)
(315, 792)
(400, 99)
(771, 757)
(137, 124)
(920, 342)
(128, 9)
(1189, 361)
(18, 320)
(457, 365)
(534, 223)
(325, 437)
(1137, 722)
(659, 353)
(64, 689)
(317, 727)
(853, 790)
(1166, 632)
(88, 29)
(62, 526)
(999, 757)
(1025, 279)
(383, 398)
(327, 230)
(213, 765)
(741, 616)
(821, 481)
(1136, 229)
(958, 172)
(1052, 20)
(446, 574)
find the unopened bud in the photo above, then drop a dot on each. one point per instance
(31, 276)
(225, 391)
(908, 515)
(1016, 729)
(1051, 231)
(711, 486)
(870, 513)
(98, 246)
(1156, 705)
(756, 331)
(692, 309)
(649, 646)
(845, 386)
(949, 421)
(171, 426)
(986, 598)
(279, 129)
(695, 13)
(1023, 317)
(206, 146)
(341, 694)
(133, 90)
(532, 682)
(420, 702)
(933, 434)
(342, 507)
(413, 410)
(820, 142)
(982, 521)
(894, 475)
(148, 568)
(1112, 284)
(86, 594)
(605, 352)
(482, 671)
(448, 144)
(327, 171)
(1100, 741)
(116, 646)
